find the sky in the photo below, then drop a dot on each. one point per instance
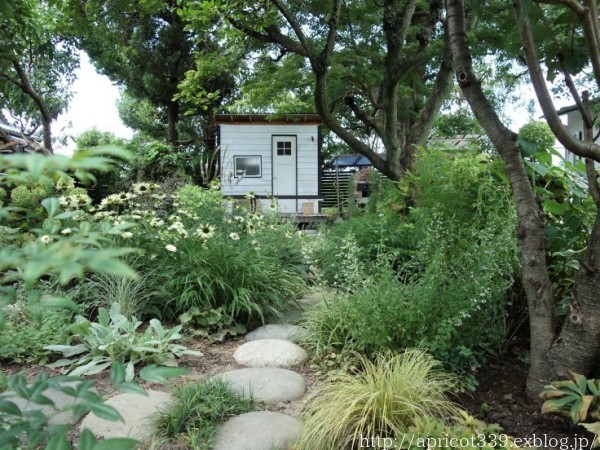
(94, 105)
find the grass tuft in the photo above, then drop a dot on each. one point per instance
(192, 420)
(385, 399)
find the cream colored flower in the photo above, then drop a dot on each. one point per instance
(66, 231)
(127, 235)
(205, 231)
(46, 239)
(170, 248)
(234, 236)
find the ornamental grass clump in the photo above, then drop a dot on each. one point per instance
(388, 397)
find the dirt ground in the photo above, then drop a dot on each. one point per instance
(501, 398)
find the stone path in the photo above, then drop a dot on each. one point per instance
(266, 356)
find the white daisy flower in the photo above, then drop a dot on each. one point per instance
(170, 248)
(47, 239)
(205, 231)
(234, 236)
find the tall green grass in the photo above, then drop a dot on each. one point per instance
(193, 418)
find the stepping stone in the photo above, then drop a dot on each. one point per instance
(269, 353)
(262, 430)
(135, 409)
(284, 332)
(314, 298)
(268, 385)
(60, 399)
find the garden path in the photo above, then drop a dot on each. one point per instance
(267, 353)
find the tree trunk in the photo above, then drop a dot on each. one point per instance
(25, 84)
(172, 119)
(531, 227)
(578, 345)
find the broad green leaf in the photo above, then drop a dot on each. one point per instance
(10, 408)
(86, 440)
(117, 373)
(134, 388)
(555, 208)
(156, 374)
(105, 412)
(52, 206)
(58, 442)
(59, 302)
(117, 444)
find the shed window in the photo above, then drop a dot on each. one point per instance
(247, 166)
(284, 148)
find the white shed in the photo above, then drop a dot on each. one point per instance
(575, 127)
(277, 160)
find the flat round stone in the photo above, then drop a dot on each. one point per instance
(261, 430)
(269, 353)
(284, 332)
(266, 384)
(135, 409)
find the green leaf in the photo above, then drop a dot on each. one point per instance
(555, 208)
(134, 388)
(117, 444)
(117, 373)
(58, 442)
(10, 408)
(156, 374)
(59, 302)
(105, 411)
(86, 440)
(52, 206)
(528, 148)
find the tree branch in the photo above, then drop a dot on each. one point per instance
(289, 17)
(28, 89)
(580, 148)
(362, 115)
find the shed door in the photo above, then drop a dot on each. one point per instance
(284, 165)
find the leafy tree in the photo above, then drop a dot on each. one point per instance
(573, 43)
(376, 69)
(144, 45)
(36, 65)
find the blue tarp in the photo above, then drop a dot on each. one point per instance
(351, 161)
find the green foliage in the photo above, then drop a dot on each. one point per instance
(24, 335)
(385, 399)
(539, 134)
(135, 297)
(429, 278)
(192, 419)
(115, 338)
(465, 432)
(31, 429)
(213, 324)
(246, 266)
(576, 398)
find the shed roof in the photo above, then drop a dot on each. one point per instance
(279, 119)
(351, 161)
(12, 140)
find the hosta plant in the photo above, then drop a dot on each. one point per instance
(576, 398)
(214, 323)
(95, 346)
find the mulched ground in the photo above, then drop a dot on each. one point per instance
(501, 398)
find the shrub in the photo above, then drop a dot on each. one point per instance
(114, 338)
(436, 291)
(385, 399)
(192, 419)
(25, 335)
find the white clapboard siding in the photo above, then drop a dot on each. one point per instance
(256, 140)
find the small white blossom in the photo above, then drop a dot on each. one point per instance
(127, 235)
(46, 239)
(234, 236)
(66, 231)
(170, 248)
